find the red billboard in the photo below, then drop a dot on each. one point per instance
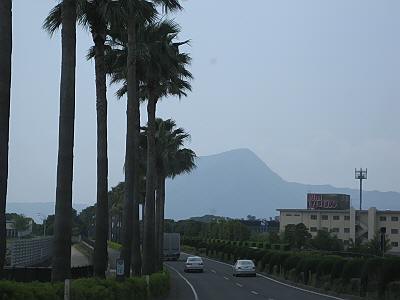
(328, 201)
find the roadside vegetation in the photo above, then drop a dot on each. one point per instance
(90, 288)
(344, 273)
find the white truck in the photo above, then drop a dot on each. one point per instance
(172, 246)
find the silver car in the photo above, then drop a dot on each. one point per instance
(244, 267)
(194, 263)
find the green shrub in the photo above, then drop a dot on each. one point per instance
(371, 273)
(265, 259)
(337, 268)
(308, 264)
(11, 290)
(390, 271)
(352, 269)
(273, 261)
(326, 264)
(88, 289)
(291, 262)
(159, 284)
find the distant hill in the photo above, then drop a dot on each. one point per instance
(237, 183)
(233, 184)
(38, 209)
(207, 218)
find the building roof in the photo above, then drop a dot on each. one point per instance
(311, 210)
(387, 211)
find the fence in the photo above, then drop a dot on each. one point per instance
(29, 252)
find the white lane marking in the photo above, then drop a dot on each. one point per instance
(187, 281)
(239, 285)
(215, 272)
(282, 283)
(254, 292)
(226, 278)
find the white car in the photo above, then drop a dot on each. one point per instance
(194, 263)
(244, 267)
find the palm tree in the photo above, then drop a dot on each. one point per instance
(96, 16)
(5, 87)
(133, 10)
(172, 160)
(165, 74)
(161, 71)
(63, 209)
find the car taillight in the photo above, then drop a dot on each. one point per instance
(200, 264)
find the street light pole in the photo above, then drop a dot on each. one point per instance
(361, 175)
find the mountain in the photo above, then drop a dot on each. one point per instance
(233, 184)
(237, 183)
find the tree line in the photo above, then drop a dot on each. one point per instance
(137, 46)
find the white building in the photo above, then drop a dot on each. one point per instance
(344, 221)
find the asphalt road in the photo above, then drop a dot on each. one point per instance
(217, 283)
(78, 259)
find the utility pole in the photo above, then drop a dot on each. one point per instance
(361, 175)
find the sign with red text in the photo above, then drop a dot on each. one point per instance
(328, 201)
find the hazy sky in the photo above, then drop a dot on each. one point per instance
(311, 86)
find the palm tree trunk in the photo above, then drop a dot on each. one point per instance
(63, 211)
(149, 255)
(100, 248)
(157, 221)
(131, 230)
(136, 253)
(162, 218)
(160, 202)
(5, 86)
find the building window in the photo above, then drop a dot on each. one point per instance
(313, 229)
(346, 242)
(324, 217)
(382, 218)
(314, 217)
(347, 218)
(395, 219)
(395, 244)
(335, 229)
(325, 228)
(394, 231)
(347, 230)
(336, 218)
(288, 215)
(297, 215)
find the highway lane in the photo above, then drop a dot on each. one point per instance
(217, 283)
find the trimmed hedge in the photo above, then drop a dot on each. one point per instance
(375, 274)
(89, 289)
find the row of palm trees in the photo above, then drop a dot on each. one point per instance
(171, 160)
(137, 47)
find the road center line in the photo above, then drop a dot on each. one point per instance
(239, 285)
(254, 292)
(187, 281)
(213, 271)
(226, 278)
(276, 281)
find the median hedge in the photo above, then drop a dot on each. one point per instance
(89, 289)
(357, 275)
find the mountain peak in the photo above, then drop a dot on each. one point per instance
(237, 182)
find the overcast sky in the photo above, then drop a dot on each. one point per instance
(311, 86)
